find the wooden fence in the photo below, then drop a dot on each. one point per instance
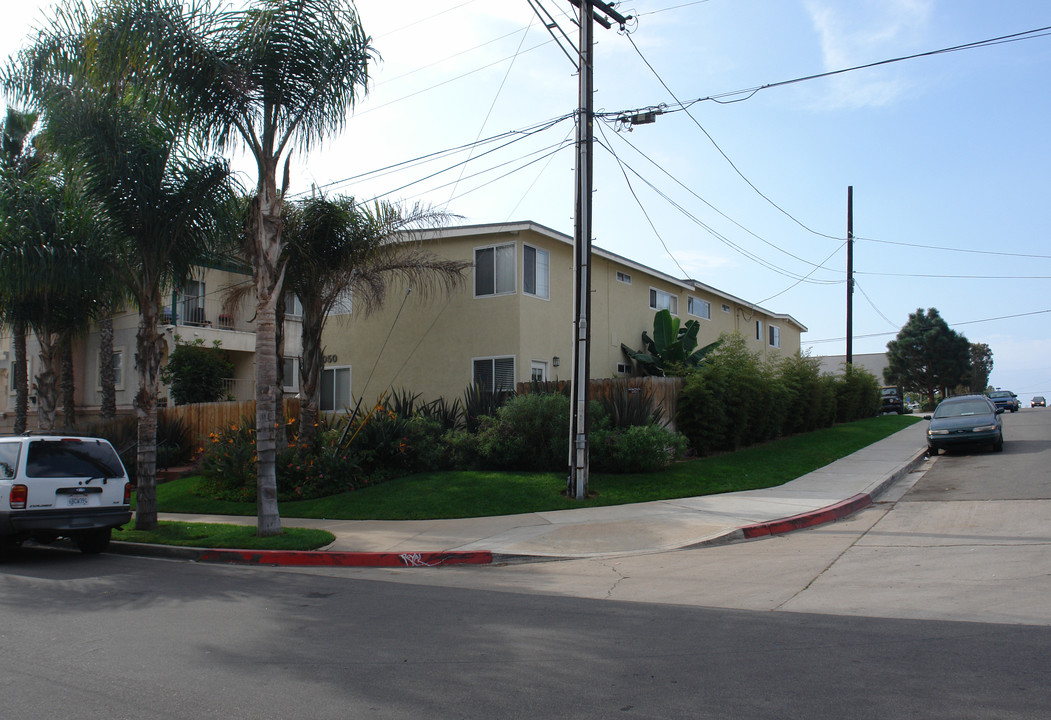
(206, 418)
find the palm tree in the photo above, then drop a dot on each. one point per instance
(336, 250)
(17, 163)
(165, 205)
(276, 76)
(50, 270)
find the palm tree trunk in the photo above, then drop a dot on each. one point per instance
(21, 378)
(69, 386)
(46, 390)
(310, 379)
(107, 378)
(149, 349)
(266, 226)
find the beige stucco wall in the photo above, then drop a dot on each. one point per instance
(429, 347)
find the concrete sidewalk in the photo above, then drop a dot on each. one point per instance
(827, 494)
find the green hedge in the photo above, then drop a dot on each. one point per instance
(736, 399)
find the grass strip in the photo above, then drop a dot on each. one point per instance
(212, 535)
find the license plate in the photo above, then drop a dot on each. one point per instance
(77, 501)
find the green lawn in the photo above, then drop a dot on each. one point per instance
(208, 535)
(477, 493)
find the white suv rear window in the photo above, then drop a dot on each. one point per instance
(72, 458)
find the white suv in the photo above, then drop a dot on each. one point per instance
(56, 486)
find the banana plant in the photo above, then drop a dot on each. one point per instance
(671, 346)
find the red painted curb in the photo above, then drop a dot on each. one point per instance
(810, 519)
(345, 559)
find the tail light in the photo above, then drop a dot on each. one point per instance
(19, 495)
(127, 493)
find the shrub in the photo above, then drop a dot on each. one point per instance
(635, 449)
(529, 432)
(857, 395)
(228, 463)
(196, 372)
(626, 407)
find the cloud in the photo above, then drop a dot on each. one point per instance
(856, 33)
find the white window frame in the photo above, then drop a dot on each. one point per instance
(655, 297)
(759, 330)
(726, 308)
(505, 252)
(290, 381)
(703, 311)
(774, 335)
(623, 277)
(118, 368)
(538, 367)
(293, 306)
(624, 368)
(541, 272)
(492, 360)
(334, 404)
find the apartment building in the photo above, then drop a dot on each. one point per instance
(509, 322)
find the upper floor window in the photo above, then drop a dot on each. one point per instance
(344, 304)
(624, 277)
(775, 336)
(699, 308)
(494, 270)
(660, 300)
(293, 307)
(726, 308)
(758, 329)
(536, 272)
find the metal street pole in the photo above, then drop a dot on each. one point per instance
(850, 274)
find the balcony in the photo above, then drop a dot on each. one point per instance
(209, 312)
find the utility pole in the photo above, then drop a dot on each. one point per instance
(850, 274)
(577, 485)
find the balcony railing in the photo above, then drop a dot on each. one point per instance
(209, 312)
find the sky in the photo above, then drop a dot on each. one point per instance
(742, 181)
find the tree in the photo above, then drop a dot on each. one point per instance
(18, 161)
(164, 204)
(927, 356)
(671, 349)
(196, 372)
(276, 75)
(981, 367)
(336, 250)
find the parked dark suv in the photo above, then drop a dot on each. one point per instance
(53, 486)
(892, 400)
(1005, 399)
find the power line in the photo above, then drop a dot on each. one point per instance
(967, 322)
(489, 114)
(956, 277)
(721, 152)
(959, 250)
(682, 106)
(720, 212)
(714, 233)
(517, 135)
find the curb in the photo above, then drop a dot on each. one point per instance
(835, 512)
(304, 558)
(808, 519)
